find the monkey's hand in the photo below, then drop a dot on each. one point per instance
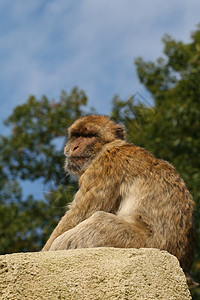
(67, 240)
(77, 237)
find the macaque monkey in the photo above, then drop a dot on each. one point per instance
(127, 197)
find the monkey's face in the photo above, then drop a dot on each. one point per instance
(80, 151)
(86, 138)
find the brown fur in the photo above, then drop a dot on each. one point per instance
(127, 197)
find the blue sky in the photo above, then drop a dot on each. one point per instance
(48, 46)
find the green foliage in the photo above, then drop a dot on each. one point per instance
(170, 128)
(31, 152)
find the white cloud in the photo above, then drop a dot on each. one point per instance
(47, 46)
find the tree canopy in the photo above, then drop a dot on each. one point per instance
(170, 128)
(33, 150)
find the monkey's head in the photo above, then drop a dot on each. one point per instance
(86, 137)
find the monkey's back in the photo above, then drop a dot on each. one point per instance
(153, 192)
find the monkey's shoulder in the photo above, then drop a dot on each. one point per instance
(125, 149)
(136, 159)
(131, 152)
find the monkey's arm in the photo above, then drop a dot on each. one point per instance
(99, 191)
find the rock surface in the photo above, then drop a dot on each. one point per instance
(98, 273)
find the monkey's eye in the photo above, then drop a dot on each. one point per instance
(75, 134)
(90, 135)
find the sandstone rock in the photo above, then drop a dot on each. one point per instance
(97, 273)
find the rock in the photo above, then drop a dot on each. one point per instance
(97, 273)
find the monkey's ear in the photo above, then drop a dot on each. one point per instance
(120, 132)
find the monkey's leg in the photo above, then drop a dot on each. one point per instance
(104, 229)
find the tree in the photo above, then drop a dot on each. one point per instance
(170, 127)
(31, 152)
